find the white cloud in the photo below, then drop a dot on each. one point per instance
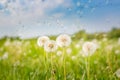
(27, 10)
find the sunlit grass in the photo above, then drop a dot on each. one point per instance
(25, 60)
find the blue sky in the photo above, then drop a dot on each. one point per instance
(32, 18)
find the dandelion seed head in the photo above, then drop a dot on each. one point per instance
(5, 56)
(117, 51)
(73, 57)
(59, 53)
(7, 43)
(105, 39)
(63, 40)
(69, 51)
(42, 40)
(88, 48)
(50, 46)
(77, 46)
(118, 73)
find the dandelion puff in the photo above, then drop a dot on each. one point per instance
(104, 39)
(77, 46)
(69, 50)
(17, 63)
(73, 57)
(88, 48)
(5, 56)
(118, 73)
(7, 43)
(117, 52)
(59, 53)
(63, 40)
(42, 40)
(118, 40)
(50, 46)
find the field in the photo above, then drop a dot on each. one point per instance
(25, 60)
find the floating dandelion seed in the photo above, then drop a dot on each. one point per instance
(50, 46)
(104, 39)
(88, 48)
(42, 40)
(118, 73)
(63, 40)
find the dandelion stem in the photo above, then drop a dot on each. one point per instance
(51, 65)
(52, 70)
(64, 64)
(88, 67)
(45, 55)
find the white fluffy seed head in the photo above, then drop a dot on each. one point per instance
(118, 40)
(42, 40)
(5, 56)
(73, 57)
(63, 40)
(59, 53)
(68, 50)
(118, 73)
(50, 46)
(88, 48)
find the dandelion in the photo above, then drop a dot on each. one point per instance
(59, 53)
(73, 57)
(109, 47)
(63, 40)
(7, 43)
(104, 39)
(117, 52)
(5, 56)
(42, 40)
(118, 73)
(89, 48)
(69, 50)
(77, 46)
(50, 46)
(119, 41)
(17, 63)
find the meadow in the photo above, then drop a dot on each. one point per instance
(23, 59)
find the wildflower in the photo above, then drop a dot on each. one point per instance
(59, 53)
(42, 40)
(118, 73)
(73, 57)
(63, 40)
(50, 46)
(69, 50)
(119, 41)
(5, 56)
(104, 39)
(117, 52)
(89, 48)
(77, 46)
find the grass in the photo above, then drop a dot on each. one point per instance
(24, 60)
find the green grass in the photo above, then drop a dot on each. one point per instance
(26, 61)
